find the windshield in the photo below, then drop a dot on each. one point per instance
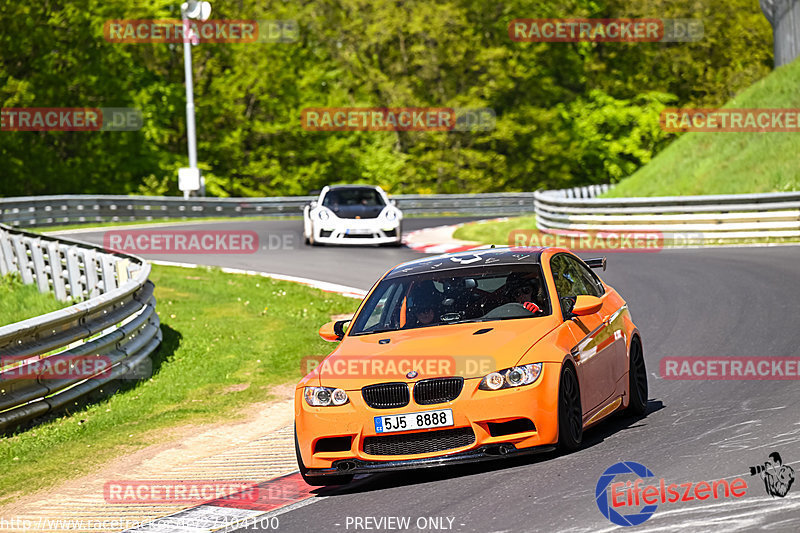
(454, 297)
(350, 197)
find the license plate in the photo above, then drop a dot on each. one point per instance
(359, 231)
(409, 421)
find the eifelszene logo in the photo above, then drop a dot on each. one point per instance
(613, 498)
(601, 494)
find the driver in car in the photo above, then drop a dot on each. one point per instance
(523, 290)
(424, 303)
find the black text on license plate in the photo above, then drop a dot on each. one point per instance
(411, 421)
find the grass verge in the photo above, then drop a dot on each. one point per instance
(19, 301)
(492, 232)
(227, 339)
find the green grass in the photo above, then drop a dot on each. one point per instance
(227, 339)
(488, 232)
(19, 301)
(728, 163)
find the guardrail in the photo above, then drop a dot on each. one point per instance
(52, 210)
(700, 218)
(112, 331)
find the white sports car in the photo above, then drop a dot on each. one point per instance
(352, 214)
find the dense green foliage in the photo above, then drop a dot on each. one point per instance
(703, 163)
(567, 113)
(729, 162)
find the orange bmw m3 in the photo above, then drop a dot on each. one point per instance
(466, 357)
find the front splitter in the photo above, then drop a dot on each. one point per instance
(484, 453)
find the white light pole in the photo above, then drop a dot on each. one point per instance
(189, 179)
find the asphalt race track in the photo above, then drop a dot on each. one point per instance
(709, 302)
(282, 251)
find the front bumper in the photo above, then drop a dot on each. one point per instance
(357, 231)
(483, 453)
(475, 410)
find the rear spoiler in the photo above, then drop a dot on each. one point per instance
(597, 262)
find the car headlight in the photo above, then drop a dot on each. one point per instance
(511, 377)
(390, 214)
(325, 396)
(323, 214)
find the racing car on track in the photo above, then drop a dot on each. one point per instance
(465, 357)
(352, 214)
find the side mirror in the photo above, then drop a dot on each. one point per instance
(586, 305)
(597, 262)
(393, 202)
(333, 331)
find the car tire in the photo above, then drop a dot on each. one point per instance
(570, 413)
(637, 380)
(314, 480)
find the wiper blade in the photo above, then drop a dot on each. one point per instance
(466, 321)
(492, 319)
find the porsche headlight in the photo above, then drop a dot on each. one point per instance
(325, 396)
(390, 214)
(323, 214)
(511, 377)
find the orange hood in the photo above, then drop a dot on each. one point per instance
(449, 350)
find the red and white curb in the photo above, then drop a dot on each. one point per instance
(232, 513)
(439, 240)
(443, 248)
